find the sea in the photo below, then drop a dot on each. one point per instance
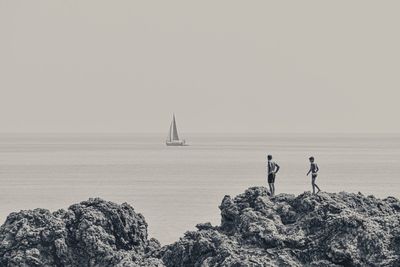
(177, 187)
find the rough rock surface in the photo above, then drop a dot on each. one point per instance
(308, 230)
(92, 233)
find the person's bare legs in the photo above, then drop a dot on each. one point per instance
(319, 190)
(272, 189)
(314, 185)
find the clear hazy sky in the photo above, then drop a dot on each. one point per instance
(221, 66)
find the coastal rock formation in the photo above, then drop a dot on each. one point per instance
(308, 230)
(327, 229)
(92, 233)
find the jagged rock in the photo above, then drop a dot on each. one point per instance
(92, 233)
(309, 230)
(325, 230)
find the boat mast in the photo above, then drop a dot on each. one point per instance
(169, 133)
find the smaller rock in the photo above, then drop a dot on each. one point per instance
(204, 226)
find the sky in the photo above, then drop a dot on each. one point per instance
(220, 66)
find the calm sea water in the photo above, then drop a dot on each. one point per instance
(177, 187)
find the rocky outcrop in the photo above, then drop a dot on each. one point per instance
(92, 233)
(308, 230)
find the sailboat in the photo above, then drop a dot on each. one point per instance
(173, 138)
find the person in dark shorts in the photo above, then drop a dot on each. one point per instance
(314, 173)
(272, 169)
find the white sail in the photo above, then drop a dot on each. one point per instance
(175, 136)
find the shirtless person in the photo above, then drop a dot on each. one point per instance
(272, 169)
(314, 172)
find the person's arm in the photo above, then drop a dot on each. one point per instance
(308, 172)
(317, 168)
(277, 168)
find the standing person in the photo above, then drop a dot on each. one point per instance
(314, 173)
(272, 170)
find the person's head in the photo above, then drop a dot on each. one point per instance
(269, 157)
(311, 159)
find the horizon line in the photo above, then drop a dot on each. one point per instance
(193, 132)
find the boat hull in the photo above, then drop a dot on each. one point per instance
(175, 143)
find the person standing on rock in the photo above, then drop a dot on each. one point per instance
(314, 173)
(272, 170)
